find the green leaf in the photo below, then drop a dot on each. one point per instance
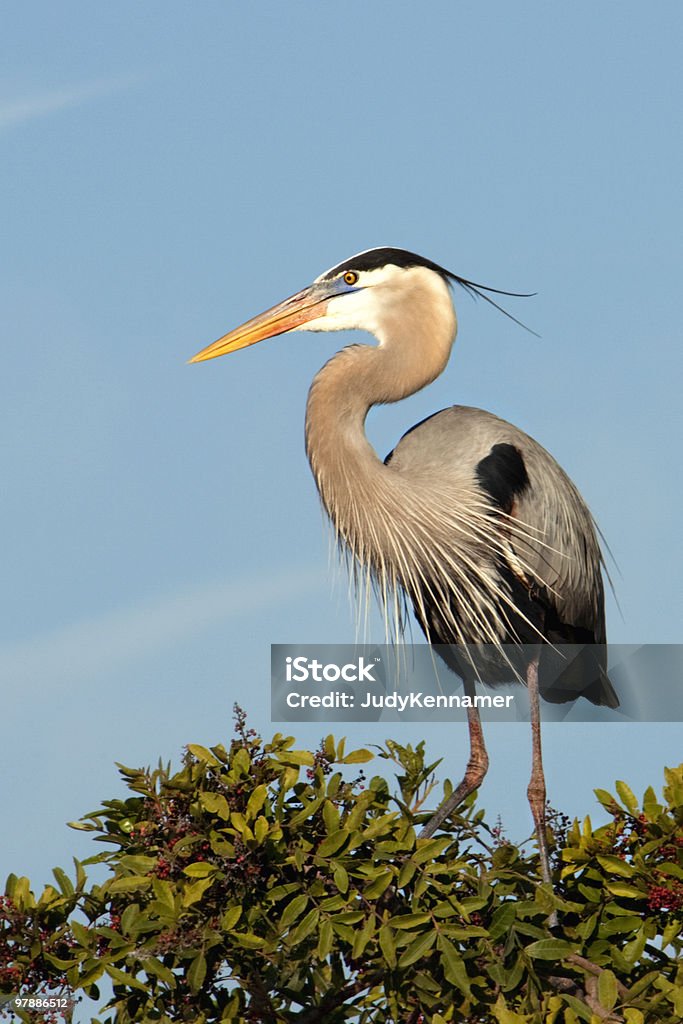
(406, 873)
(362, 938)
(138, 864)
(230, 918)
(202, 754)
(544, 899)
(256, 801)
(307, 811)
(633, 949)
(417, 948)
(341, 878)
(453, 966)
(620, 925)
(123, 978)
(502, 920)
(349, 917)
(678, 1000)
(249, 940)
(360, 811)
(241, 761)
(378, 885)
(305, 927)
(325, 940)
(627, 797)
(215, 803)
(162, 911)
(201, 869)
(409, 920)
(330, 817)
(607, 989)
(444, 909)
(293, 910)
(61, 965)
(669, 868)
(81, 934)
(238, 822)
(642, 984)
(513, 977)
(506, 1016)
(81, 876)
(154, 966)
(63, 881)
(616, 865)
(464, 932)
(261, 829)
(131, 883)
(549, 949)
(194, 892)
(430, 849)
(581, 1011)
(197, 973)
(296, 757)
(333, 843)
(360, 756)
(606, 799)
(288, 778)
(49, 896)
(627, 891)
(651, 808)
(387, 945)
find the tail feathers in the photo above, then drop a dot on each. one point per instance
(569, 671)
(601, 692)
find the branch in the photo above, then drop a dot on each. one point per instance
(319, 1014)
(588, 965)
(589, 996)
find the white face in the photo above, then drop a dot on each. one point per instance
(374, 300)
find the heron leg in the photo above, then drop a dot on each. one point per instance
(536, 792)
(477, 766)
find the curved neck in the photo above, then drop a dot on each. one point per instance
(414, 347)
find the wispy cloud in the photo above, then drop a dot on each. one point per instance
(84, 649)
(14, 111)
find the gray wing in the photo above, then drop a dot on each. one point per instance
(554, 551)
(524, 481)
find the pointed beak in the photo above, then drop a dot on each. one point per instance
(299, 309)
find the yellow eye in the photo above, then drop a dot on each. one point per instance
(350, 277)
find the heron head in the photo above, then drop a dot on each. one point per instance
(374, 291)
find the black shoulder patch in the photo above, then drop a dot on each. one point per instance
(373, 259)
(502, 474)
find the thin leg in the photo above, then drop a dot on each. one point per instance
(477, 766)
(536, 790)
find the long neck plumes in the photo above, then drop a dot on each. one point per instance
(362, 496)
(415, 340)
(421, 535)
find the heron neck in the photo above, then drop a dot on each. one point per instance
(344, 463)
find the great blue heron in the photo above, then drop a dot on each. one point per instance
(471, 520)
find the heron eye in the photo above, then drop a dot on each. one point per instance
(350, 277)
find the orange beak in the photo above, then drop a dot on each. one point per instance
(299, 309)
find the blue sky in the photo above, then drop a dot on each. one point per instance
(169, 170)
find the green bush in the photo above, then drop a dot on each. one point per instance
(257, 884)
